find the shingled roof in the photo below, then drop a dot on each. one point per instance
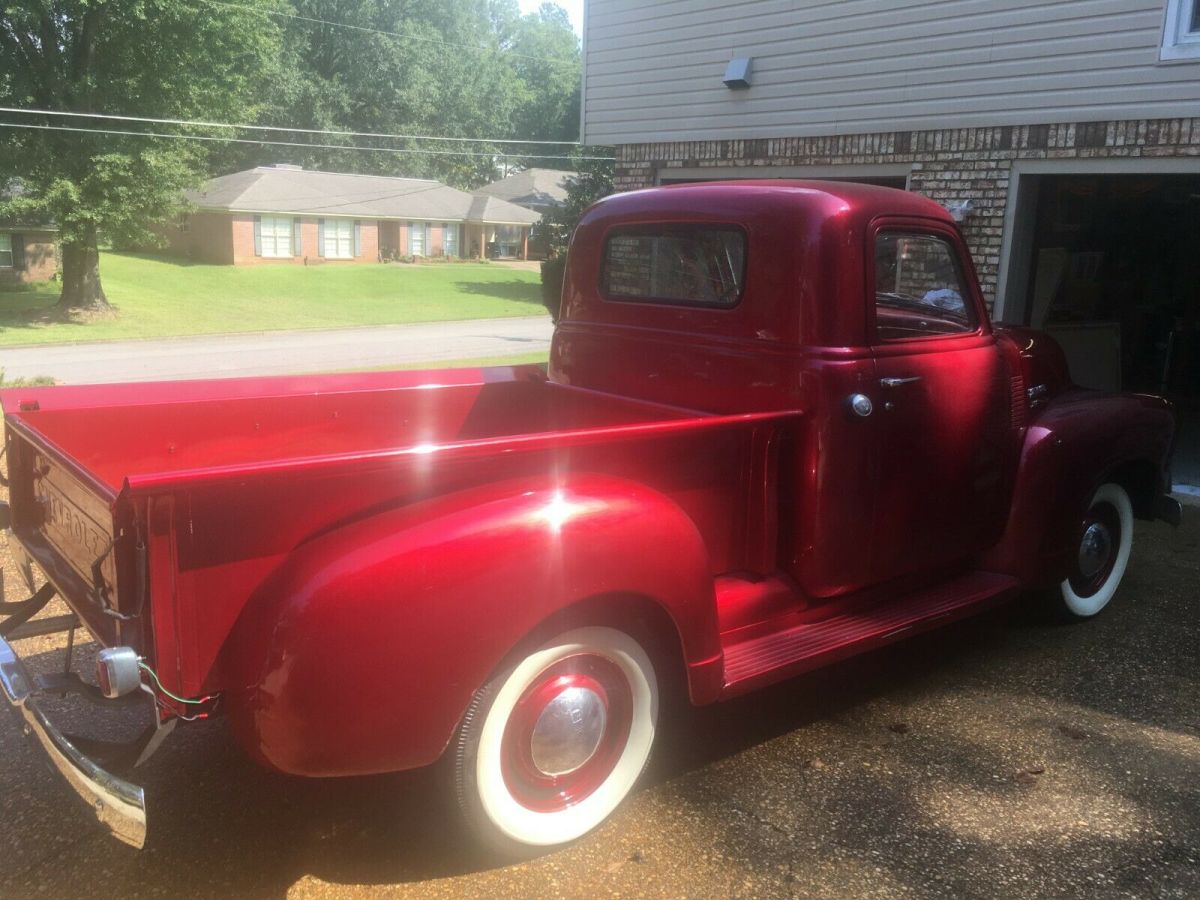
(291, 189)
(533, 187)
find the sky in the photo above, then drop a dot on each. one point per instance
(574, 9)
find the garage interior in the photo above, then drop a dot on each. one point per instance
(1114, 275)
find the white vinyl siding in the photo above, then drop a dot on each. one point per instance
(276, 236)
(339, 239)
(653, 70)
(449, 239)
(6, 251)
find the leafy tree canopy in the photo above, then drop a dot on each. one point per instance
(160, 58)
(460, 68)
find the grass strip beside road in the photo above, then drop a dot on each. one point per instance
(156, 297)
(541, 357)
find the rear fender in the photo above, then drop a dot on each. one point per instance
(362, 652)
(1075, 443)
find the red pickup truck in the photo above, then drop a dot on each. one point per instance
(777, 429)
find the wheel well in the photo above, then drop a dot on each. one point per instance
(1140, 480)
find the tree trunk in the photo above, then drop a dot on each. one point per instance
(81, 287)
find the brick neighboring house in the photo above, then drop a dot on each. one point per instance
(540, 190)
(284, 213)
(28, 253)
(1065, 135)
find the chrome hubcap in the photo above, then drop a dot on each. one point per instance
(568, 731)
(1094, 550)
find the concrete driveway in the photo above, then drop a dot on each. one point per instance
(278, 353)
(999, 758)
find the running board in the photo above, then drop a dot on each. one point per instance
(759, 661)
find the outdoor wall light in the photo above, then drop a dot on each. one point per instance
(737, 73)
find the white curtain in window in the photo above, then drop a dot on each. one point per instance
(6, 254)
(339, 238)
(450, 239)
(276, 236)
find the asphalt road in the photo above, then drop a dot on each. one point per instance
(1001, 757)
(278, 353)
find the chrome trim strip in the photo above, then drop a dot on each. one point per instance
(119, 805)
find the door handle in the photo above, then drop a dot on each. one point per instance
(896, 382)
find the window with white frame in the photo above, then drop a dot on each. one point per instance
(1181, 31)
(450, 239)
(6, 253)
(339, 238)
(417, 242)
(276, 236)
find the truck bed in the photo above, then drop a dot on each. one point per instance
(225, 427)
(223, 479)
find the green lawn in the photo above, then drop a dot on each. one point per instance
(156, 298)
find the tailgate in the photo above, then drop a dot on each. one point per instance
(66, 523)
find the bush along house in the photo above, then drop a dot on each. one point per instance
(285, 213)
(28, 253)
(1064, 137)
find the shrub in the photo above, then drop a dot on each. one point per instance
(553, 271)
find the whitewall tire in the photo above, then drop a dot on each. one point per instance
(1101, 555)
(551, 746)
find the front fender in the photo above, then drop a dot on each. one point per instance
(1075, 443)
(362, 652)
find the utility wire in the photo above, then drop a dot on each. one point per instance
(233, 140)
(394, 34)
(200, 124)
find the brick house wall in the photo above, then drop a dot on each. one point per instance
(38, 262)
(947, 165)
(208, 238)
(368, 241)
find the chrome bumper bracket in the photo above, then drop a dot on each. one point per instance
(119, 805)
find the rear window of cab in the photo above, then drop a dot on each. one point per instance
(692, 265)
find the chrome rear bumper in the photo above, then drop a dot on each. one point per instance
(119, 805)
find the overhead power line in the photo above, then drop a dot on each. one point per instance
(233, 140)
(393, 34)
(280, 128)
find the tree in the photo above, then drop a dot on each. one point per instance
(592, 181)
(460, 68)
(183, 59)
(549, 68)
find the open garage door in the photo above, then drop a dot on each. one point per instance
(1113, 272)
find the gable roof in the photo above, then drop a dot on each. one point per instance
(533, 187)
(290, 189)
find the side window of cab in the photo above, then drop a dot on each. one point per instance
(920, 291)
